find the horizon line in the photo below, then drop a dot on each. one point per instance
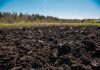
(47, 15)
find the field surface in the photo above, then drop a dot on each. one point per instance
(50, 48)
(29, 24)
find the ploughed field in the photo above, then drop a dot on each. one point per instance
(50, 48)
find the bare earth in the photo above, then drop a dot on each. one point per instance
(50, 48)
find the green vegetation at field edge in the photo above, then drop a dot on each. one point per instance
(46, 24)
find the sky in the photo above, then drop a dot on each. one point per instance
(69, 9)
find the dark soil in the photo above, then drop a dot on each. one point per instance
(50, 48)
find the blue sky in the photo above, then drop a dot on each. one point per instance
(70, 9)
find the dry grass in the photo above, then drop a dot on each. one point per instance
(45, 24)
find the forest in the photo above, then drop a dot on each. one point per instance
(7, 17)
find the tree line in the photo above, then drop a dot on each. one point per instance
(7, 17)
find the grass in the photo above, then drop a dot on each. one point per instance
(45, 24)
